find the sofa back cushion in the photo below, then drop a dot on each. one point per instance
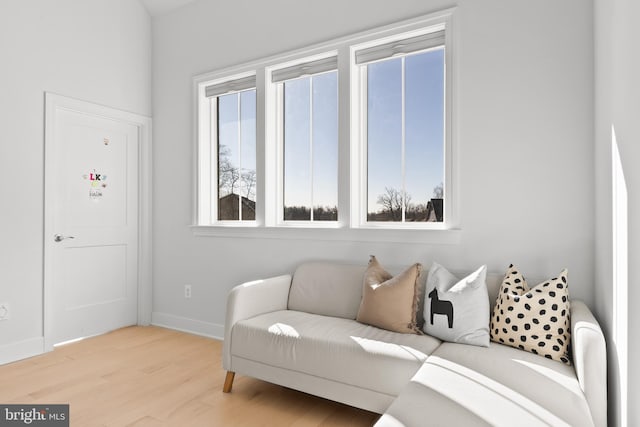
(494, 281)
(332, 289)
(327, 288)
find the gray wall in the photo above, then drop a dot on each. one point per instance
(95, 50)
(617, 107)
(525, 138)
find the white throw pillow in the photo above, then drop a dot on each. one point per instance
(457, 310)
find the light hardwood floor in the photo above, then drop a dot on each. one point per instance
(150, 376)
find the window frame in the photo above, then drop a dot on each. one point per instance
(208, 195)
(351, 158)
(359, 141)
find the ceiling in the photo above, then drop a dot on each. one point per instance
(160, 7)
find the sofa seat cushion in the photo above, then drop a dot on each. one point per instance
(338, 349)
(499, 385)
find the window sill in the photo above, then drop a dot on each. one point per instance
(414, 236)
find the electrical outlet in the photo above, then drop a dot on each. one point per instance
(187, 291)
(4, 311)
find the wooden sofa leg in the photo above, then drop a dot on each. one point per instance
(228, 382)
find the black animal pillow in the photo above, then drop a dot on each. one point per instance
(457, 310)
(536, 319)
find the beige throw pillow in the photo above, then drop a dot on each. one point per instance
(390, 302)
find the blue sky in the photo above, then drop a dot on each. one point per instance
(242, 154)
(300, 185)
(424, 131)
(424, 126)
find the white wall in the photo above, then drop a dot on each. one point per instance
(617, 109)
(525, 136)
(95, 50)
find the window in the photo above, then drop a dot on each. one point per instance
(308, 107)
(354, 134)
(403, 114)
(237, 156)
(232, 142)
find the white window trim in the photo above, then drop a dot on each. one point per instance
(206, 157)
(359, 135)
(350, 162)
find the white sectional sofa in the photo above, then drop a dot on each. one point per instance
(300, 332)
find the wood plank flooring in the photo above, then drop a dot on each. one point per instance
(150, 376)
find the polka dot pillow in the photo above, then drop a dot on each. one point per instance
(533, 319)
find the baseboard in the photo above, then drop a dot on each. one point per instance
(21, 350)
(185, 324)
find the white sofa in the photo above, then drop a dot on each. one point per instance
(300, 332)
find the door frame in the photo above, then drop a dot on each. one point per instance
(53, 103)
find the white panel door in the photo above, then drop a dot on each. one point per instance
(93, 236)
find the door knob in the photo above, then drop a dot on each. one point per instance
(60, 237)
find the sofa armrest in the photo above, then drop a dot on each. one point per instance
(251, 299)
(590, 360)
